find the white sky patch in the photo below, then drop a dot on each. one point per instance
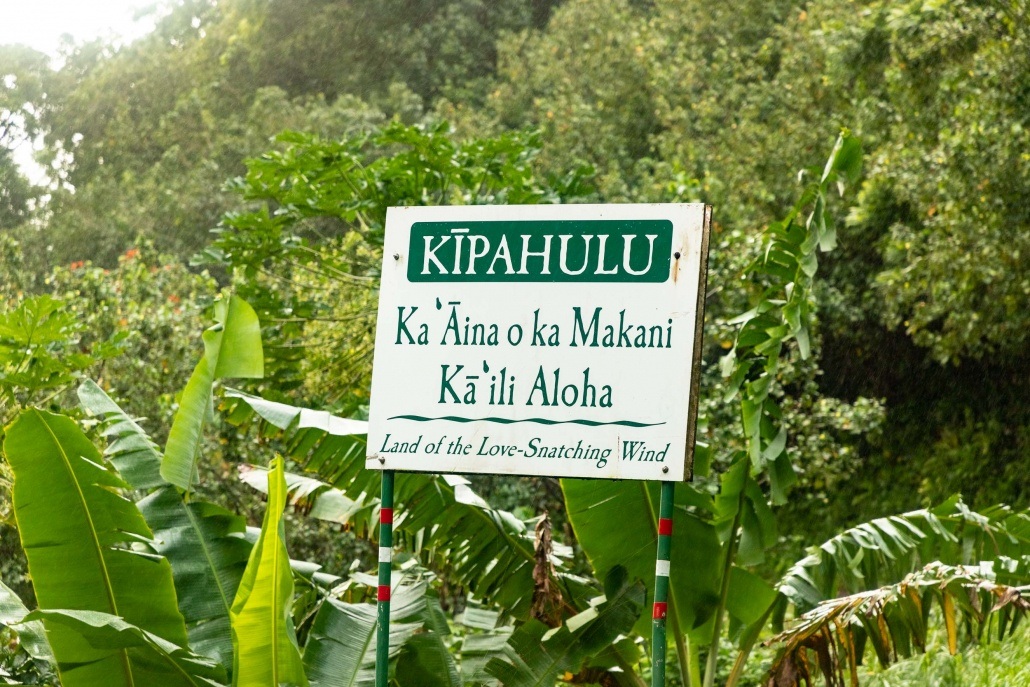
(41, 24)
(48, 24)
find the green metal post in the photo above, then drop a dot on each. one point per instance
(383, 596)
(661, 585)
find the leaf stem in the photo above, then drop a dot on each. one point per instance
(682, 654)
(748, 643)
(695, 663)
(731, 549)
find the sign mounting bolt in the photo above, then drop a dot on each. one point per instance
(382, 461)
(396, 256)
(665, 468)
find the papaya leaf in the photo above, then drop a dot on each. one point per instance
(88, 548)
(40, 347)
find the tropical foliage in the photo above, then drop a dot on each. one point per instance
(184, 509)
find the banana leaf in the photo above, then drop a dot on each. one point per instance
(537, 655)
(207, 548)
(884, 550)
(129, 448)
(31, 634)
(88, 548)
(616, 523)
(489, 551)
(264, 638)
(426, 662)
(232, 348)
(154, 661)
(341, 648)
(316, 499)
(478, 649)
(205, 544)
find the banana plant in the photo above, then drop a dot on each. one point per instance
(90, 551)
(231, 580)
(96, 647)
(489, 551)
(340, 651)
(265, 650)
(718, 538)
(205, 544)
(98, 553)
(973, 565)
(894, 621)
(100, 564)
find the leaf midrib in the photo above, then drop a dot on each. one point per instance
(195, 525)
(276, 556)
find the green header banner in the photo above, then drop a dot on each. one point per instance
(548, 251)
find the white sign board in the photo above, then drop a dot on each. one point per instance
(558, 340)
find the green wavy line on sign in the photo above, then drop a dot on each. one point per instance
(538, 420)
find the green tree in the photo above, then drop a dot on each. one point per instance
(675, 100)
(945, 201)
(308, 247)
(21, 86)
(145, 136)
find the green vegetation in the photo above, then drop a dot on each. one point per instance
(1005, 663)
(865, 353)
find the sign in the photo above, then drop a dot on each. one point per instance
(557, 340)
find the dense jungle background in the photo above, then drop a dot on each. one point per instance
(865, 354)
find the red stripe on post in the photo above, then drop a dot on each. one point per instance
(384, 593)
(386, 516)
(665, 526)
(660, 610)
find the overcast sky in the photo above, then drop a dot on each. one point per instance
(41, 23)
